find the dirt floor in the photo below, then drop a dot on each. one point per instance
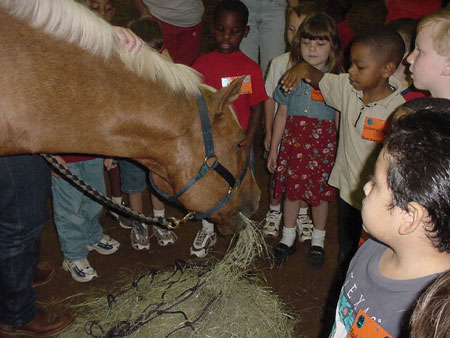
(304, 289)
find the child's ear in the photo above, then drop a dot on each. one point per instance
(415, 218)
(246, 31)
(389, 69)
(446, 71)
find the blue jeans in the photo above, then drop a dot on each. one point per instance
(267, 25)
(75, 213)
(24, 192)
(133, 176)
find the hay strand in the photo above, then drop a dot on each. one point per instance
(214, 300)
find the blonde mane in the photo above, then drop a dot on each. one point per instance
(76, 24)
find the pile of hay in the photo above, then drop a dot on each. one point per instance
(220, 300)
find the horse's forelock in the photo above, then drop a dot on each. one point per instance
(74, 23)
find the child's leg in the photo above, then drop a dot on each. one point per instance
(304, 223)
(273, 217)
(287, 246)
(290, 211)
(204, 239)
(163, 236)
(316, 253)
(114, 180)
(135, 201)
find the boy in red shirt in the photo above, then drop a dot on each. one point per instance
(219, 68)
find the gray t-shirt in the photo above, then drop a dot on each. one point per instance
(181, 13)
(388, 302)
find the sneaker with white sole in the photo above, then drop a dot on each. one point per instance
(124, 222)
(80, 270)
(106, 246)
(164, 236)
(203, 241)
(139, 236)
(304, 227)
(272, 223)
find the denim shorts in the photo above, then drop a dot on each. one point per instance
(133, 176)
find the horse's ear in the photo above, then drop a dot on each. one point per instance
(227, 95)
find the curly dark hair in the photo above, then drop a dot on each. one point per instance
(419, 169)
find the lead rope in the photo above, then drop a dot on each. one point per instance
(169, 223)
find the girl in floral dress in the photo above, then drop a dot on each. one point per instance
(305, 130)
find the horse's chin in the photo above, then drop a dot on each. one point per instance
(233, 226)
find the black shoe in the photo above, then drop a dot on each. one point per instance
(281, 252)
(316, 256)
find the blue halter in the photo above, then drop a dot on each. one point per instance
(205, 168)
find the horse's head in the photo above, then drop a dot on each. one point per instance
(229, 139)
(215, 192)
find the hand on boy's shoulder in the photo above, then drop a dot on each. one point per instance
(293, 76)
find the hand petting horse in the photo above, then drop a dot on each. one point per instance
(67, 85)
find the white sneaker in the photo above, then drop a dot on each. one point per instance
(203, 241)
(80, 270)
(164, 236)
(106, 246)
(272, 223)
(139, 236)
(304, 227)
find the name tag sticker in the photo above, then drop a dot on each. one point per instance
(366, 327)
(246, 87)
(374, 129)
(316, 95)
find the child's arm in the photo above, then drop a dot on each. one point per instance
(277, 132)
(253, 124)
(301, 71)
(269, 107)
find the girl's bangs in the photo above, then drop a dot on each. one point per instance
(311, 36)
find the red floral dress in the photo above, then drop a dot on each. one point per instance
(306, 157)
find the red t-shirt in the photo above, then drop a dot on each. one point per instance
(414, 9)
(77, 158)
(217, 66)
(345, 33)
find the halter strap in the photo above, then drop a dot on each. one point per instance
(205, 168)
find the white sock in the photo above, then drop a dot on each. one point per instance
(207, 226)
(303, 211)
(318, 238)
(275, 207)
(288, 237)
(117, 200)
(159, 213)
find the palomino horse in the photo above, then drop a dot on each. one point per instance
(68, 86)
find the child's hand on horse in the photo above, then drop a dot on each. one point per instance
(129, 39)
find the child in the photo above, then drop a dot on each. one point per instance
(430, 60)
(406, 211)
(305, 126)
(407, 29)
(104, 8)
(133, 178)
(76, 216)
(431, 317)
(366, 96)
(278, 66)
(219, 68)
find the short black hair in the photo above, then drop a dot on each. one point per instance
(406, 27)
(419, 169)
(386, 44)
(234, 6)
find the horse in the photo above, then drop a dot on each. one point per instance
(67, 85)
